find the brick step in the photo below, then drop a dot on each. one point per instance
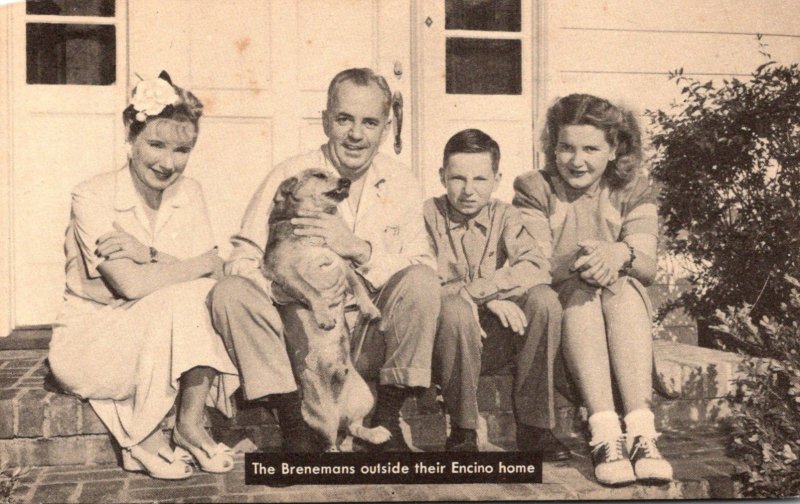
(40, 426)
(701, 472)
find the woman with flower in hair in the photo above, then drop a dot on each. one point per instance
(592, 209)
(134, 332)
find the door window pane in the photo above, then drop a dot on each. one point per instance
(104, 8)
(71, 54)
(485, 15)
(484, 66)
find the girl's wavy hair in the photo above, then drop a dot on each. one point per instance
(619, 125)
(188, 109)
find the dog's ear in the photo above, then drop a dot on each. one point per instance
(285, 189)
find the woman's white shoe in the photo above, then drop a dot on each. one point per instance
(165, 465)
(211, 458)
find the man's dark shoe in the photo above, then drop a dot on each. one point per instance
(297, 436)
(462, 440)
(387, 414)
(396, 443)
(301, 439)
(542, 440)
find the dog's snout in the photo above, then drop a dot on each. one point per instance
(344, 182)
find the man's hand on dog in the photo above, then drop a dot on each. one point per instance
(334, 230)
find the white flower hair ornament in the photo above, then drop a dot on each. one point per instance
(150, 97)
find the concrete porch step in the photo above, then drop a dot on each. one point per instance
(41, 427)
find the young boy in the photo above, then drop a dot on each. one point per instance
(497, 305)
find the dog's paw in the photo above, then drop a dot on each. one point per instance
(325, 318)
(369, 310)
(375, 435)
(326, 323)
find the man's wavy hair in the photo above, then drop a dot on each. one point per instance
(189, 109)
(360, 77)
(619, 125)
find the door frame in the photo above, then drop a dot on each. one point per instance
(6, 213)
(540, 73)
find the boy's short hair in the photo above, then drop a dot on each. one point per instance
(472, 141)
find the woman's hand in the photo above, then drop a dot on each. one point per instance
(509, 313)
(214, 263)
(600, 262)
(120, 244)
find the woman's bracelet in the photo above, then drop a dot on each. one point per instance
(627, 265)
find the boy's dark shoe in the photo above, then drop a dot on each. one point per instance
(462, 440)
(542, 440)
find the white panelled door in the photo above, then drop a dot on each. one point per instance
(68, 87)
(261, 68)
(475, 72)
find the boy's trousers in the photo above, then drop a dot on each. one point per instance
(461, 356)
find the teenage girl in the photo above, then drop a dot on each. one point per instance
(593, 210)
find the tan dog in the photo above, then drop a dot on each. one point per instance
(334, 394)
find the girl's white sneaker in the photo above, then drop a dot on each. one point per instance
(648, 464)
(612, 466)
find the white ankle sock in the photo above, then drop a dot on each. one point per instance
(640, 422)
(604, 426)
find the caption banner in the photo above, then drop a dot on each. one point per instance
(279, 469)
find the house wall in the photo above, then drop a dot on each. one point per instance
(624, 49)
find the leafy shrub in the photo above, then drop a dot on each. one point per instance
(765, 416)
(727, 160)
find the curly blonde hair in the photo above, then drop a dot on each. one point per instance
(619, 125)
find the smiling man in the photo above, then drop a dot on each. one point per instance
(379, 229)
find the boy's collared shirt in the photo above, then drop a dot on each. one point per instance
(492, 255)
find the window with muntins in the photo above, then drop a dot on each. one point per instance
(71, 42)
(483, 53)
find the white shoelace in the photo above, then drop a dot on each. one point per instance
(648, 447)
(614, 450)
